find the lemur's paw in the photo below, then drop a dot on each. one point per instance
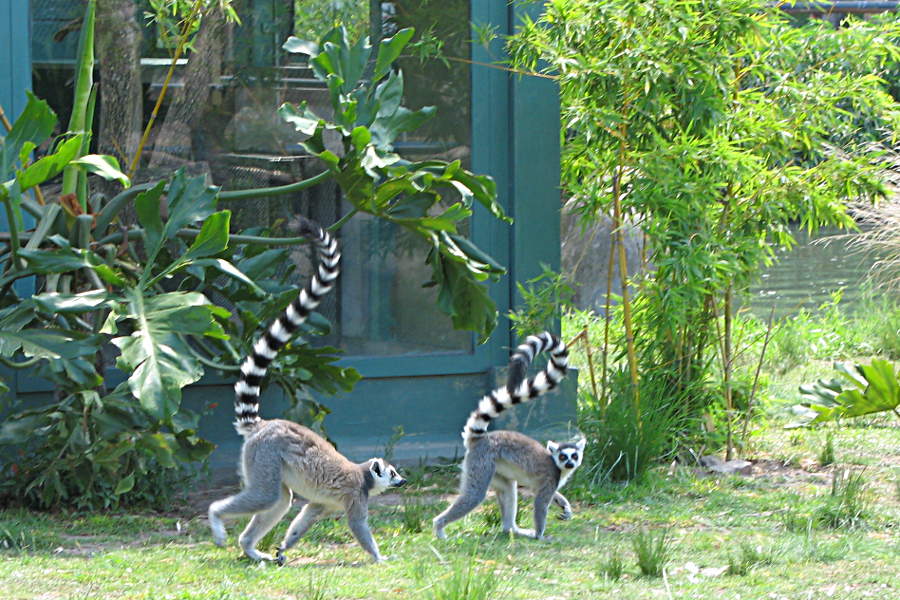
(529, 533)
(259, 556)
(566, 515)
(219, 536)
(280, 558)
(439, 533)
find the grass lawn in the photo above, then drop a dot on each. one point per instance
(757, 536)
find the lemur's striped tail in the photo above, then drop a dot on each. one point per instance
(253, 369)
(519, 389)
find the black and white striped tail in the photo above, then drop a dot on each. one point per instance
(253, 369)
(519, 389)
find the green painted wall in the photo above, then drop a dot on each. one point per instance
(15, 79)
(15, 55)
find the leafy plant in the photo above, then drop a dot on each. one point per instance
(652, 550)
(464, 580)
(846, 506)
(826, 456)
(613, 567)
(862, 390)
(142, 294)
(623, 442)
(748, 557)
(712, 129)
(543, 298)
(374, 179)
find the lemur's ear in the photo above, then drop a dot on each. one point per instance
(580, 444)
(552, 447)
(376, 467)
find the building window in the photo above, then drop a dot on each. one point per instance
(219, 120)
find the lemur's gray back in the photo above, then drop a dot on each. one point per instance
(253, 369)
(519, 389)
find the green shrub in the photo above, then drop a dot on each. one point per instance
(318, 585)
(826, 456)
(652, 550)
(750, 556)
(464, 580)
(613, 567)
(847, 505)
(413, 514)
(624, 439)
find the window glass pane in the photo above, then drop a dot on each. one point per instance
(218, 119)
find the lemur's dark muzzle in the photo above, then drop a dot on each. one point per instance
(400, 483)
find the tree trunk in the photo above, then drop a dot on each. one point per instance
(118, 42)
(172, 146)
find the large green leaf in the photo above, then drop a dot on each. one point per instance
(106, 167)
(156, 353)
(50, 166)
(389, 50)
(147, 207)
(864, 390)
(213, 236)
(188, 201)
(53, 344)
(880, 393)
(66, 259)
(53, 302)
(34, 126)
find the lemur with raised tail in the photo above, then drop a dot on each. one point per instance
(502, 459)
(281, 458)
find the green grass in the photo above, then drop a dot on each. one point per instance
(730, 529)
(804, 524)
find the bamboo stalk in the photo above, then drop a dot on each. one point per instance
(623, 275)
(610, 268)
(726, 366)
(589, 352)
(762, 356)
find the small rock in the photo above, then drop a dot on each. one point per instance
(731, 467)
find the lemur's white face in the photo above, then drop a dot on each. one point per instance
(384, 476)
(567, 456)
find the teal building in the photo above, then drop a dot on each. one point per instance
(418, 373)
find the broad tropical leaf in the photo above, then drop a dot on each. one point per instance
(157, 353)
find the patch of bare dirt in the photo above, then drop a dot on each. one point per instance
(780, 473)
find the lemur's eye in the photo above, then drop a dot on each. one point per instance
(574, 456)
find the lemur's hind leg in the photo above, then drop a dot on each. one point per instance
(473, 488)
(305, 519)
(263, 491)
(262, 523)
(563, 503)
(507, 498)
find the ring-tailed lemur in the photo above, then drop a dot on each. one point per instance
(500, 459)
(280, 458)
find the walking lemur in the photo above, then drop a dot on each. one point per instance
(501, 459)
(281, 458)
